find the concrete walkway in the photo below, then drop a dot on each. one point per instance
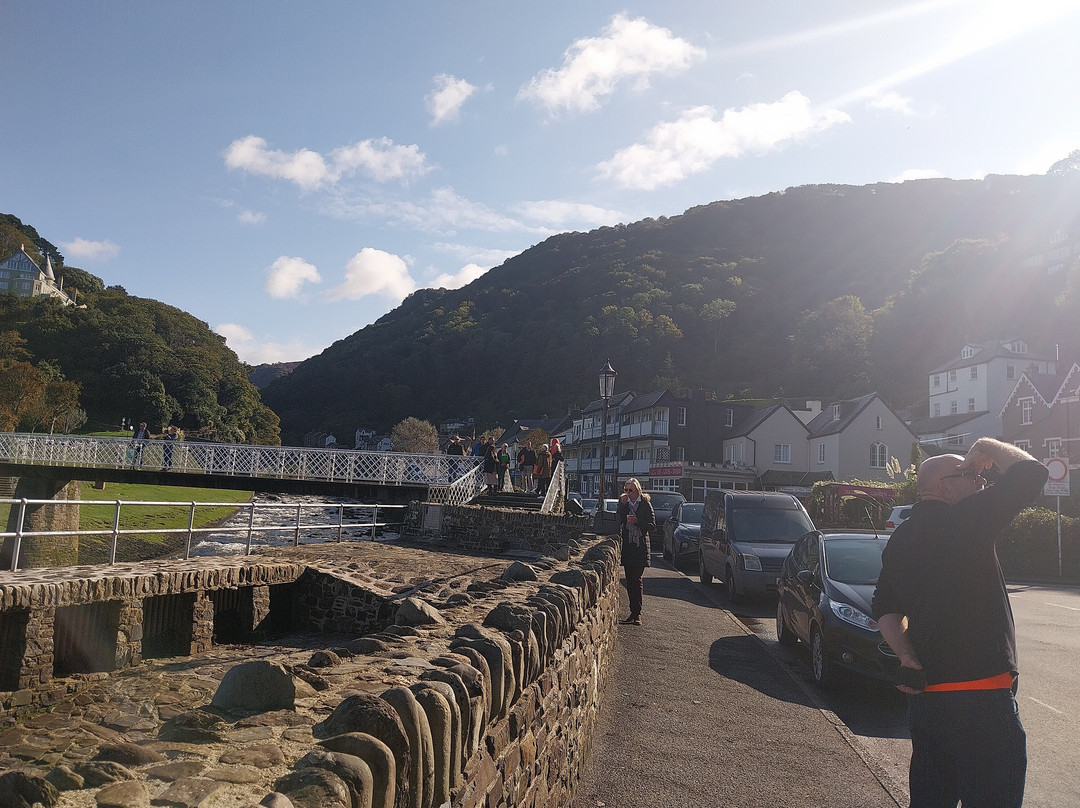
(697, 714)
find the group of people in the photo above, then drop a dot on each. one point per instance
(139, 440)
(536, 465)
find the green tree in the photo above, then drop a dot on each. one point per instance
(831, 348)
(414, 435)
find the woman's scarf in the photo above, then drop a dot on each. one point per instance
(633, 532)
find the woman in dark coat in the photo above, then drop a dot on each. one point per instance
(636, 519)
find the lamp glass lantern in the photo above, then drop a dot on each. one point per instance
(607, 389)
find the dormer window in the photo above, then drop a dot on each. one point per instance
(836, 412)
(968, 352)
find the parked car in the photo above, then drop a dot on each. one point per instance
(589, 506)
(604, 521)
(663, 503)
(681, 532)
(745, 537)
(824, 595)
(898, 515)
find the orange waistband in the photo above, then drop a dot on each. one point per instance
(999, 682)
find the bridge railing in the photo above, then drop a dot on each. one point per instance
(462, 490)
(363, 519)
(281, 462)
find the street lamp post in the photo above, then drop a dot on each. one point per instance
(607, 387)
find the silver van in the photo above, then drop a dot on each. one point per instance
(745, 537)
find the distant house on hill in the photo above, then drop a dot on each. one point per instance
(968, 393)
(20, 275)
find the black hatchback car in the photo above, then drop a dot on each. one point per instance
(825, 589)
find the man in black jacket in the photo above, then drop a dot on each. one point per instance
(942, 605)
(526, 459)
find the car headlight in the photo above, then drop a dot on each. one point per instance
(751, 562)
(849, 614)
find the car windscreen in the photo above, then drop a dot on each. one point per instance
(769, 525)
(691, 513)
(853, 561)
(665, 501)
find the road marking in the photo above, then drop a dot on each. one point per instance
(1047, 706)
(1063, 606)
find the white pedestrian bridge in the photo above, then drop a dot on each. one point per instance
(448, 479)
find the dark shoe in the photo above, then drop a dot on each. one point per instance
(632, 620)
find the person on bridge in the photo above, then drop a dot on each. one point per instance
(138, 441)
(636, 518)
(942, 606)
(170, 438)
(491, 466)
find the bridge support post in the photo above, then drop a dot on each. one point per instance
(44, 551)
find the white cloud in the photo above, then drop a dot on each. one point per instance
(371, 272)
(445, 101)
(444, 212)
(558, 214)
(690, 145)
(918, 174)
(479, 255)
(251, 217)
(893, 102)
(287, 276)
(378, 158)
(467, 274)
(85, 250)
(592, 68)
(255, 352)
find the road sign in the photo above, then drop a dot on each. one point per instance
(1057, 483)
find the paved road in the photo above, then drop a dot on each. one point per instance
(696, 712)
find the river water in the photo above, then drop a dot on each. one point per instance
(276, 519)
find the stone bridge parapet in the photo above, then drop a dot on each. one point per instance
(349, 675)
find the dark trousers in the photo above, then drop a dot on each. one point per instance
(635, 587)
(966, 745)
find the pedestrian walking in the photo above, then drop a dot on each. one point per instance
(138, 441)
(542, 470)
(171, 435)
(636, 518)
(526, 459)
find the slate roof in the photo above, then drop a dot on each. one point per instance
(985, 351)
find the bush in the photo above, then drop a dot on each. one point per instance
(1029, 547)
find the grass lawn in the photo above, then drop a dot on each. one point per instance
(142, 546)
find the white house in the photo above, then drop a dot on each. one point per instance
(856, 439)
(20, 275)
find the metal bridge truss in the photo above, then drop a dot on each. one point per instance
(452, 479)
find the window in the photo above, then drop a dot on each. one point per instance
(1010, 371)
(729, 417)
(955, 440)
(968, 352)
(937, 410)
(836, 412)
(974, 372)
(952, 407)
(935, 380)
(879, 455)
(1053, 447)
(821, 452)
(878, 423)
(1024, 444)
(971, 405)
(680, 453)
(735, 453)
(952, 375)
(681, 417)
(782, 453)
(1025, 410)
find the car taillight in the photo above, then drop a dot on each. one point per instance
(890, 523)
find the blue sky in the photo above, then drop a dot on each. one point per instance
(289, 172)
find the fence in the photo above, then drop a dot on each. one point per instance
(280, 462)
(296, 526)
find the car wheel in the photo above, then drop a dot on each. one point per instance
(703, 574)
(821, 669)
(733, 593)
(784, 634)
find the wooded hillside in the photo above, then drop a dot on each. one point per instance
(821, 291)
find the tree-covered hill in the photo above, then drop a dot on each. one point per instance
(131, 358)
(824, 291)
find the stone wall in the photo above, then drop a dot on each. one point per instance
(481, 529)
(480, 691)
